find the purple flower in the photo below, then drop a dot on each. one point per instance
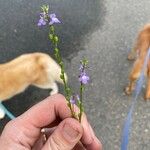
(84, 78)
(72, 100)
(53, 19)
(41, 22)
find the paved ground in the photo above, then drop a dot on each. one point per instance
(101, 30)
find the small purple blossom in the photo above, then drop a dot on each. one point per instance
(53, 19)
(72, 100)
(45, 17)
(84, 78)
(41, 22)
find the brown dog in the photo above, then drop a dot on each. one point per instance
(140, 50)
(37, 69)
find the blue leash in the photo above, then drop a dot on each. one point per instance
(8, 113)
(128, 121)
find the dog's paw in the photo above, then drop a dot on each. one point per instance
(147, 97)
(131, 57)
(53, 92)
(127, 90)
(2, 114)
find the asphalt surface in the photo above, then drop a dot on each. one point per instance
(101, 30)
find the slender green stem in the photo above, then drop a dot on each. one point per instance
(81, 101)
(81, 93)
(54, 38)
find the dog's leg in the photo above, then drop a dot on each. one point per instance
(130, 87)
(134, 51)
(134, 75)
(54, 88)
(51, 85)
(147, 94)
(132, 54)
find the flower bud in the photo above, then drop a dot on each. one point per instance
(52, 29)
(56, 39)
(56, 50)
(68, 90)
(51, 36)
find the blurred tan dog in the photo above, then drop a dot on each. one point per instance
(37, 69)
(140, 50)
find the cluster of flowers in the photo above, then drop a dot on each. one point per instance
(46, 18)
(72, 99)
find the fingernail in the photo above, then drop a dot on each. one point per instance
(69, 132)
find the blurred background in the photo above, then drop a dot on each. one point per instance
(102, 31)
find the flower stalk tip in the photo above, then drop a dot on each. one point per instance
(46, 18)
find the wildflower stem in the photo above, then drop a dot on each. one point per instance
(54, 38)
(81, 101)
(81, 91)
(51, 19)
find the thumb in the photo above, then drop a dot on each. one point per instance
(66, 135)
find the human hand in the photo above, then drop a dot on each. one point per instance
(62, 131)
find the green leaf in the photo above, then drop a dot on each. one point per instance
(51, 36)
